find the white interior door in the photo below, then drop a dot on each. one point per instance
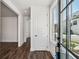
(39, 27)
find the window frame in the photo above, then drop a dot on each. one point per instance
(75, 22)
(68, 3)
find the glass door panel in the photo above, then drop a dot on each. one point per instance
(63, 26)
(63, 4)
(62, 53)
(69, 29)
(75, 27)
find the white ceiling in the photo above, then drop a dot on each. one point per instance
(25, 4)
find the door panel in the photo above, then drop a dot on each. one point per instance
(39, 28)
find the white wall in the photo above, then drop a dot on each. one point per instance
(39, 28)
(9, 29)
(0, 30)
(0, 21)
(26, 28)
(52, 39)
(20, 30)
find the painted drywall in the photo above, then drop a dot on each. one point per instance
(52, 39)
(0, 30)
(0, 21)
(20, 30)
(20, 20)
(8, 24)
(39, 28)
(7, 12)
(26, 28)
(9, 29)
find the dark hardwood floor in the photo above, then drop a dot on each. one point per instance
(40, 55)
(11, 51)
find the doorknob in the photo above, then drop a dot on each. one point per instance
(36, 35)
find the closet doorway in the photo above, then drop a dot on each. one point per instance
(8, 27)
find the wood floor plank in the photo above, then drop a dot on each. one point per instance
(11, 51)
(40, 55)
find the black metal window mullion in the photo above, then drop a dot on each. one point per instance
(67, 29)
(59, 22)
(67, 4)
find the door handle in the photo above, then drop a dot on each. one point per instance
(36, 35)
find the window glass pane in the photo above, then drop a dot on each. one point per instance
(55, 23)
(62, 53)
(69, 1)
(68, 26)
(70, 56)
(63, 25)
(75, 27)
(63, 4)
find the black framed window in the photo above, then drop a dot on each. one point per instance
(69, 28)
(75, 27)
